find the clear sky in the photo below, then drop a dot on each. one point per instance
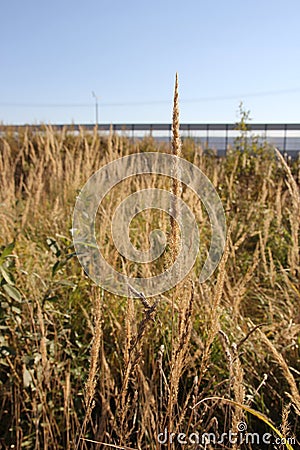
(54, 54)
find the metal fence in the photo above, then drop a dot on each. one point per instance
(286, 137)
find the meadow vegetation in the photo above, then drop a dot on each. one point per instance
(78, 364)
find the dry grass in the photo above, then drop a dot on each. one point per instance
(78, 362)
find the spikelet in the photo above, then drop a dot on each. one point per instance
(176, 188)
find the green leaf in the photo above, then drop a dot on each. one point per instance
(51, 299)
(12, 292)
(54, 247)
(56, 267)
(6, 275)
(7, 250)
(16, 310)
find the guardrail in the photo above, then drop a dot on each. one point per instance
(286, 137)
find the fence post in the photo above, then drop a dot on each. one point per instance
(284, 138)
(207, 135)
(226, 138)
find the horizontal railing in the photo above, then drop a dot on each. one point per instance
(164, 126)
(212, 135)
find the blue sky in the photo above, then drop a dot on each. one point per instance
(56, 53)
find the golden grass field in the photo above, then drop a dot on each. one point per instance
(79, 364)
